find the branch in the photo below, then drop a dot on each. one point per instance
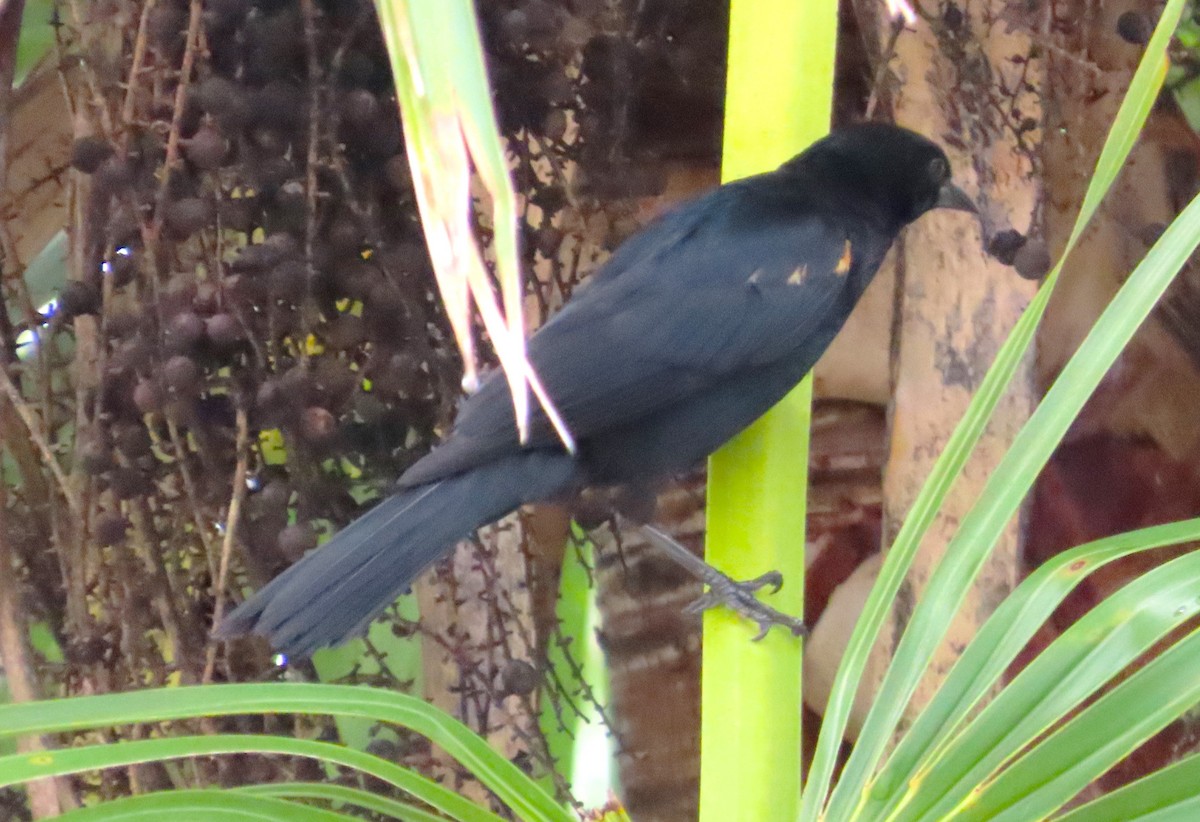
(231, 523)
(30, 419)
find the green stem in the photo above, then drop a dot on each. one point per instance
(778, 100)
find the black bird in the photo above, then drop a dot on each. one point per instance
(692, 329)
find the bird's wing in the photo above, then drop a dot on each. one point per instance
(740, 278)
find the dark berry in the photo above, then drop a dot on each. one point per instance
(296, 540)
(224, 330)
(89, 153)
(110, 529)
(133, 440)
(79, 298)
(274, 497)
(113, 176)
(554, 125)
(519, 677)
(86, 651)
(185, 331)
(127, 483)
(237, 213)
(206, 148)
(359, 108)
(547, 240)
(1032, 260)
(222, 99)
(166, 26)
(289, 279)
(1135, 27)
(147, 397)
(1005, 245)
(122, 267)
(93, 451)
(345, 332)
(396, 172)
(317, 425)
(182, 375)
(185, 217)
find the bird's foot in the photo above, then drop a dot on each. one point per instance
(738, 596)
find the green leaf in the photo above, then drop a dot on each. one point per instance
(1187, 96)
(780, 51)
(450, 132)
(1172, 793)
(576, 740)
(44, 643)
(201, 806)
(25, 767)
(990, 653)
(1012, 477)
(1068, 760)
(36, 38)
(342, 794)
(1073, 668)
(502, 777)
(955, 574)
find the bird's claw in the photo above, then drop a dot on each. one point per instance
(740, 598)
(772, 578)
(724, 590)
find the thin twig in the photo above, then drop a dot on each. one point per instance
(189, 489)
(237, 497)
(882, 69)
(135, 69)
(99, 102)
(173, 136)
(309, 13)
(14, 656)
(35, 434)
(43, 793)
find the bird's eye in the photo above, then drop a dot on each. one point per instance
(939, 169)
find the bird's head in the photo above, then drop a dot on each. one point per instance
(898, 169)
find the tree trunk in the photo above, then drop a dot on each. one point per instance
(967, 81)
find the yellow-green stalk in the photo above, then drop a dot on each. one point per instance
(778, 100)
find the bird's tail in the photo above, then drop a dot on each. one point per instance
(333, 593)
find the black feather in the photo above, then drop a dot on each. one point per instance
(334, 593)
(691, 331)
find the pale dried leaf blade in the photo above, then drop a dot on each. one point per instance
(493, 322)
(477, 116)
(433, 174)
(504, 232)
(447, 126)
(506, 328)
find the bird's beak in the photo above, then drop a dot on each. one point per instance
(951, 196)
